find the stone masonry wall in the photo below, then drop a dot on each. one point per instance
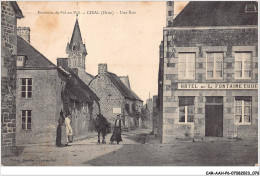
(109, 96)
(8, 76)
(200, 41)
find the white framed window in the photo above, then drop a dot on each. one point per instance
(26, 119)
(186, 110)
(186, 68)
(26, 87)
(243, 114)
(20, 61)
(214, 65)
(243, 65)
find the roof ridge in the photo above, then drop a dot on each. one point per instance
(123, 86)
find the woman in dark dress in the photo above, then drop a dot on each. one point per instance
(61, 132)
(116, 136)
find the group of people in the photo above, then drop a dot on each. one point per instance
(104, 127)
(64, 130)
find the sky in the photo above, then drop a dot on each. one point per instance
(128, 43)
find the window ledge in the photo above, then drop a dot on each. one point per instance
(186, 79)
(26, 131)
(212, 79)
(183, 123)
(243, 78)
(245, 124)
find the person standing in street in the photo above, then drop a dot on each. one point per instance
(116, 136)
(61, 140)
(69, 131)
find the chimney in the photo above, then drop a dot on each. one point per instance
(169, 13)
(62, 62)
(24, 32)
(102, 68)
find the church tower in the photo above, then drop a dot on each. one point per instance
(76, 49)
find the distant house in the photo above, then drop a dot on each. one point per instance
(43, 90)
(10, 12)
(116, 97)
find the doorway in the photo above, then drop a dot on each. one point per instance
(214, 116)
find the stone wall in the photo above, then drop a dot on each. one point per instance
(155, 115)
(8, 76)
(109, 96)
(227, 41)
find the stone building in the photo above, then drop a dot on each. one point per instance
(155, 115)
(148, 113)
(77, 53)
(209, 70)
(43, 91)
(10, 12)
(116, 98)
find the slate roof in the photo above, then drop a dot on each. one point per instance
(17, 10)
(90, 75)
(76, 38)
(76, 88)
(34, 58)
(125, 80)
(136, 96)
(76, 35)
(127, 93)
(216, 13)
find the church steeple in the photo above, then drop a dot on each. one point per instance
(76, 49)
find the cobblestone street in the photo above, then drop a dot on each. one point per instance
(133, 151)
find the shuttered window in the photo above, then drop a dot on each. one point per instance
(186, 68)
(214, 65)
(243, 65)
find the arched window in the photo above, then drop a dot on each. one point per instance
(74, 46)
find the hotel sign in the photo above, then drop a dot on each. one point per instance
(218, 86)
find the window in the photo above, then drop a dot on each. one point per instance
(186, 109)
(186, 69)
(74, 46)
(243, 65)
(243, 110)
(214, 65)
(169, 13)
(26, 119)
(26, 87)
(170, 3)
(250, 8)
(20, 61)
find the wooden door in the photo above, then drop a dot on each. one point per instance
(214, 117)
